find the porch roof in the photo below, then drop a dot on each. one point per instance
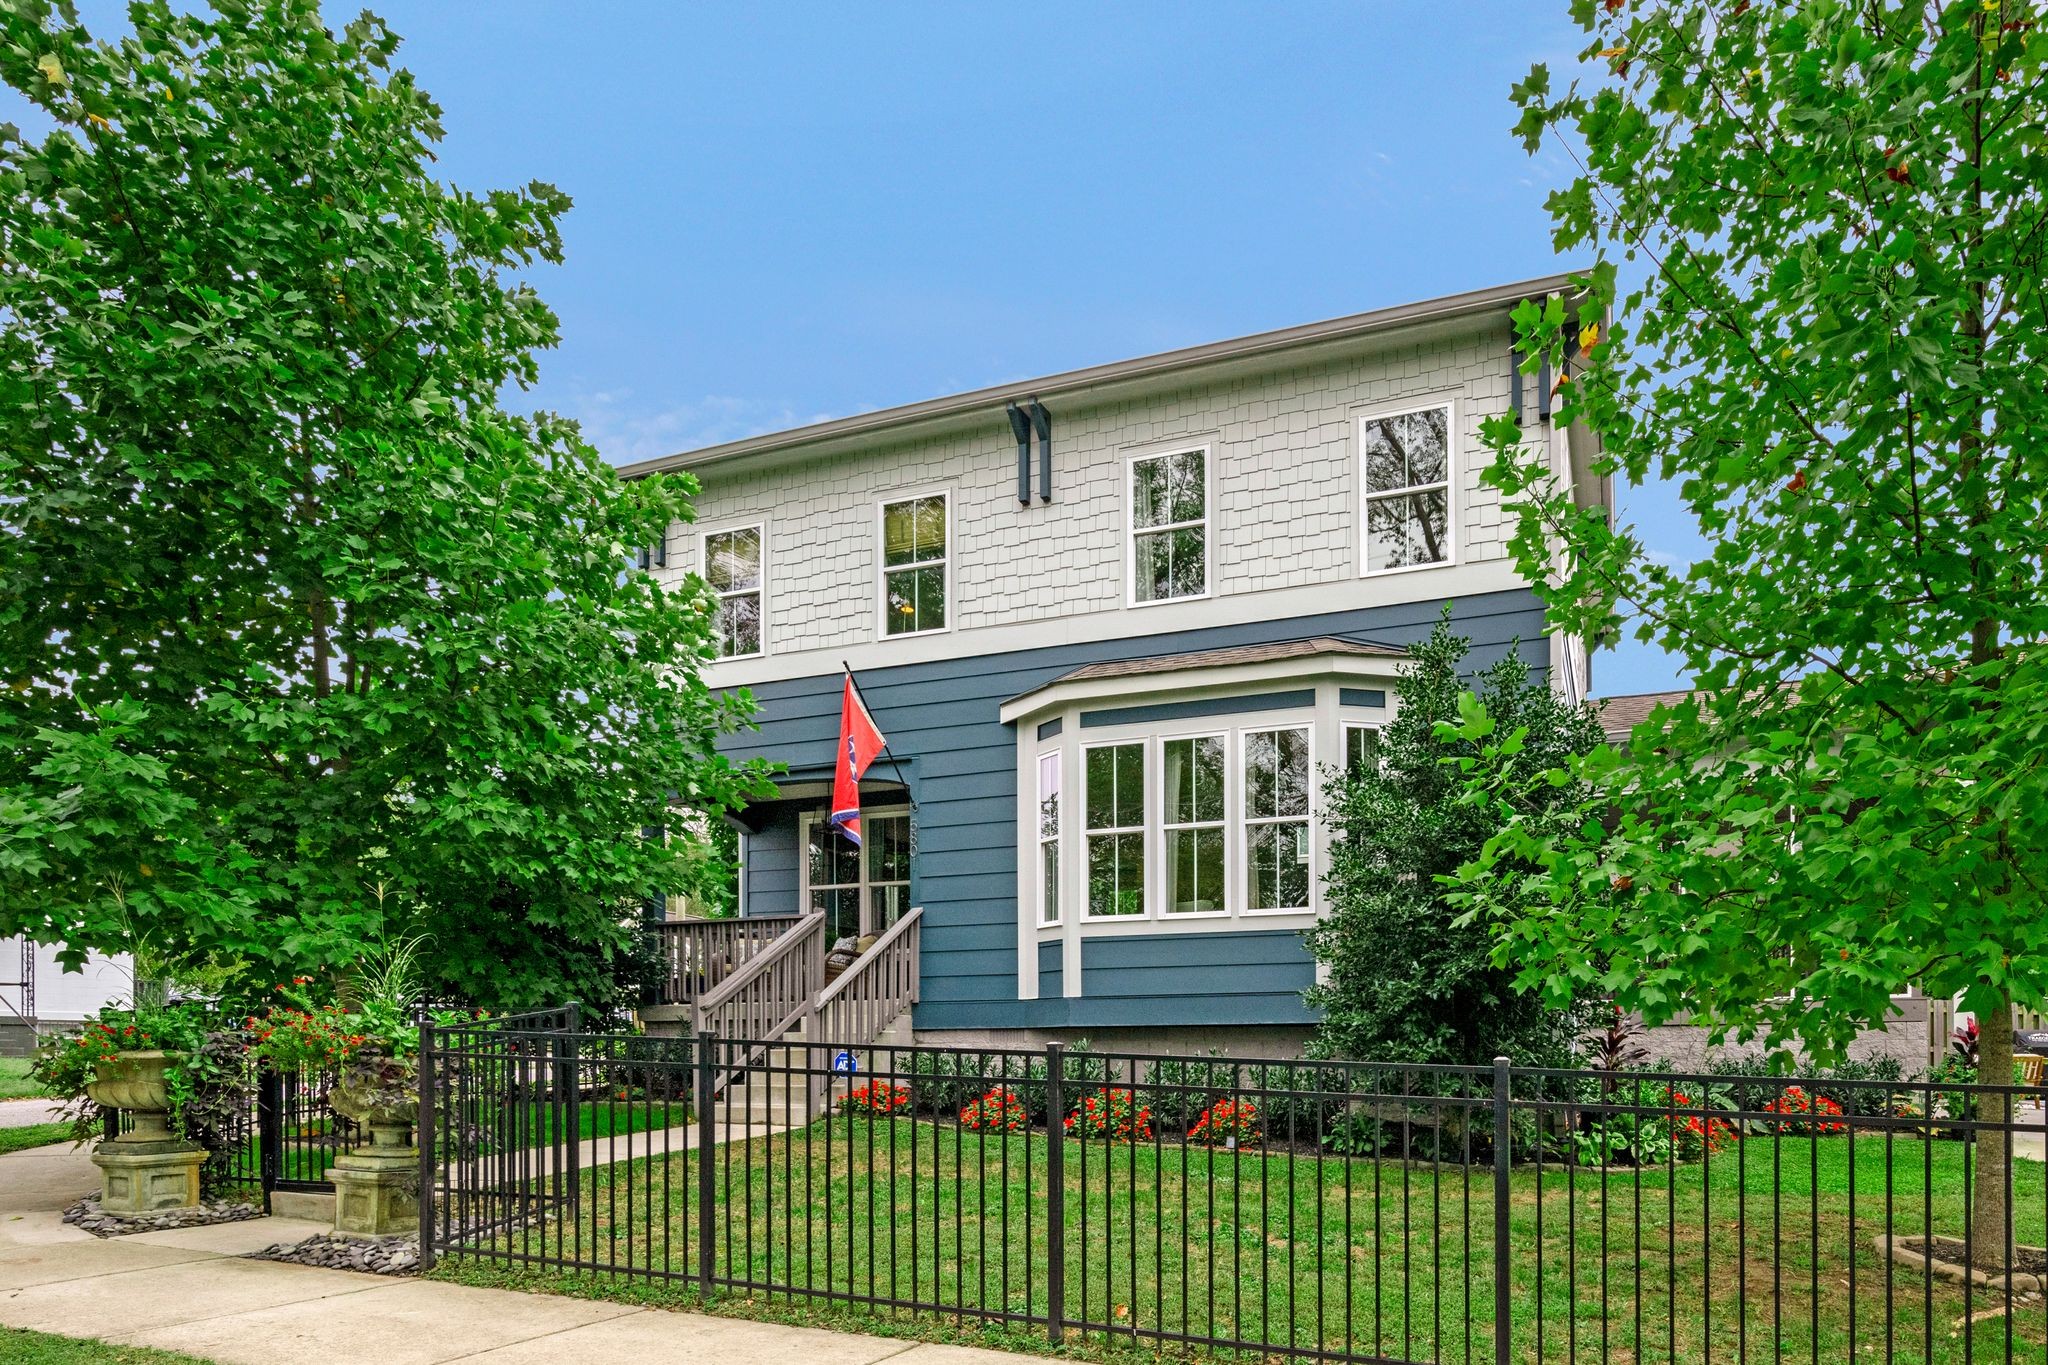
(1239, 654)
(1311, 656)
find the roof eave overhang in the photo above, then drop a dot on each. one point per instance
(1058, 695)
(1103, 381)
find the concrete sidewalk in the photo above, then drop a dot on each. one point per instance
(189, 1291)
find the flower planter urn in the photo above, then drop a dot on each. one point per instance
(146, 1168)
(376, 1188)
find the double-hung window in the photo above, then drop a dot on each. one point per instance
(1405, 463)
(1169, 526)
(1114, 775)
(915, 566)
(732, 567)
(1049, 838)
(1361, 749)
(1278, 851)
(1193, 779)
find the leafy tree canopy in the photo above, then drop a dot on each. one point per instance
(308, 642)
(1402, 980)
(1836, 355)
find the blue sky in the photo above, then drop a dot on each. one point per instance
(796, 211)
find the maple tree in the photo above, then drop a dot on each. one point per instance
(1834, 353)
(308, 641)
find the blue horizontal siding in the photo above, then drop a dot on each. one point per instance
(942, 722)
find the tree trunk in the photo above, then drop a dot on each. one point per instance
(1990, 1207)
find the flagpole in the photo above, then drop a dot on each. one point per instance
(897, 767)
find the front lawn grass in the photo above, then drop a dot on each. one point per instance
(14, 1080)
(33, 1135)
(21, 1347)
(1751, 1252)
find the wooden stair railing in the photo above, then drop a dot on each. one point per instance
(773, 992)
(700, 954)
(866, 998)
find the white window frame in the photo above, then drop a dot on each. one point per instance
(1351, 725)
(1145, 829)
(1245, 820)
(883, 569)
(1058, 758)
(1207, 521)
(1162, 900)
(760, 590)
(1367, 496)
(811, 820)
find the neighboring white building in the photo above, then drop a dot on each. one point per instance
(37, 994)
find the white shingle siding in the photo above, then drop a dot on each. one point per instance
(1285, 482)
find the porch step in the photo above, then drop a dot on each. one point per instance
(778, 1094)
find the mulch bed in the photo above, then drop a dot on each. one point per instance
(87, 1216)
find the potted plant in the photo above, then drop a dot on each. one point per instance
(132, 1061)
(370, 1043)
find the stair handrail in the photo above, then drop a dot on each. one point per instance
(865, 998)
(791, 940)
(858, 967)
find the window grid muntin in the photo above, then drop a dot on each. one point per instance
(1195, 825)
(1304, 817)
(921, 565)
(1049, 833)
(1140, 535)
(1353, 731)
(1117, 831)
(727, 596)
(1395, 493)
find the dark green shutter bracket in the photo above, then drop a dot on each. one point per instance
(1020, 425)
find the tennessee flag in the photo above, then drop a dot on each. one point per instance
(859, 743)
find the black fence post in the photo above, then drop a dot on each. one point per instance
(269, 1130)
(569, 1082)
(1055, 1194)
(1502, 1081)
(425, 1136)
(706, 1188)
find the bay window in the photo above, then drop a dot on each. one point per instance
(1115, 797)
(1278, 853)
(1194, 824)
(1049, 838)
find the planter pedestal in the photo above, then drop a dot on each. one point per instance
(376, 1194)
(146, 1169)
(148, 1176)
(377, 1189)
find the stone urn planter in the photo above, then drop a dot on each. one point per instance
(377, 1189)
(146, 1168)
(381, 1094)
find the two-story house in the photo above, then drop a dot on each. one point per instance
(1119, 626)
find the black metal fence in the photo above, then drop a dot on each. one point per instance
(1305, 1210)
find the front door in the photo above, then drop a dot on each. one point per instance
(860, 891)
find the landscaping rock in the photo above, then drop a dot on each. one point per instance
(87, 1215)
(1947, 1259)
(367, 1255)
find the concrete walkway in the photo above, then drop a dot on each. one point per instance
(188, 1291)
(23, 1113)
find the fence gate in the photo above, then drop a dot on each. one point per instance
(501, 1128)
